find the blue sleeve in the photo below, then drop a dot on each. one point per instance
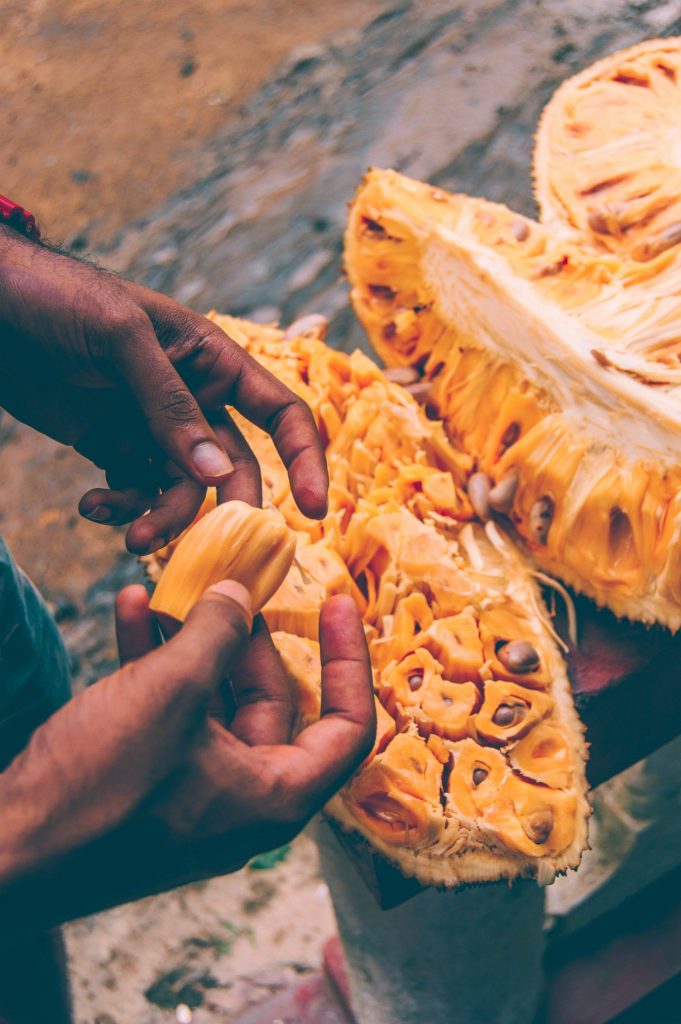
(34, 672)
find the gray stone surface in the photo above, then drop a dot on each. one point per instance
(468, 956)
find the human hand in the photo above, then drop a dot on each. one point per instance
(138, 383)
(93, 763)
(142, 751)
(244, 781)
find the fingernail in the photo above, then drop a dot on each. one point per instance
(100, 514)
(322, 509)
(155, 544)
(324, 506)
(210, 460)
(236, 591)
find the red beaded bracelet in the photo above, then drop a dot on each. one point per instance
(18, 218)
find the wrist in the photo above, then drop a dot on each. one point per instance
(15, 839)
(18, 218)
(12, 247)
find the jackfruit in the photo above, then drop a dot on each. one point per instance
(444, 600)
(552, 353)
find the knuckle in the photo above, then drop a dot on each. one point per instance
(287, 804)
(259, 693)
(228, 623)
(298, 408)
(113, 325)
(175, 402)
(175, 328)
(291, 407)
(124, 320)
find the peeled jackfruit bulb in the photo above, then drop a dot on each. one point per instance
(253, 546)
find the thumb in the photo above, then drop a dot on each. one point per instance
(215, 632)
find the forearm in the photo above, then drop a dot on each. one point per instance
(16, 252)
(138, 859)
(91, 765)
(9, 238)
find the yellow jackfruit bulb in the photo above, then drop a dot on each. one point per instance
(533, 819)
(397, 796)
(253, 546)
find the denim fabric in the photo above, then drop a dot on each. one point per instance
(34, 673)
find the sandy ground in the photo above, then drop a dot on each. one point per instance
(109, 106)
(218, 947)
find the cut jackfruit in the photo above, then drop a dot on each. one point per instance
(441, 597)
(552, 354)
(555, 366)
(397, 796)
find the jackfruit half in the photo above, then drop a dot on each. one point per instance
(553, 353)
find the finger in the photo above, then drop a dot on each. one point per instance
(239, 380)
(264, 705)
(219, 372)
(245, 483)
(163, 504)
(136, 631)
(132, 485)
(123, 451)
(114, 507)
(171, 412)
(118, 441)
(343, 736)
(170, 512)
